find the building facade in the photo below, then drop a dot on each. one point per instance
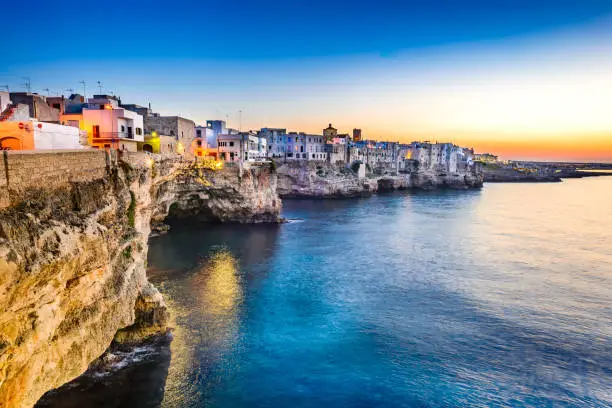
(181, 129)
(244, 146)
(37, 105)
(36, 135)
(107, 125)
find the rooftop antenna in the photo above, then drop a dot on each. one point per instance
(84, 88)
(48, 91)
(99, 86)
(27, 84)
(5, 86)
(240, 120)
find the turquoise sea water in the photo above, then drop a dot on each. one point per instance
(498, 297)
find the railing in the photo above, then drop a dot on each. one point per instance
(112, 135)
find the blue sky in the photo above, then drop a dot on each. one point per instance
(385, 66)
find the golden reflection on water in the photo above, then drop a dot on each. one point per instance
(205, 322)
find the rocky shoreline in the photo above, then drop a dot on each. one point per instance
(327, 181)
(73, 257)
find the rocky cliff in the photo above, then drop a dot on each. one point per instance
(324, 180)
(301, 179)
(73, 255)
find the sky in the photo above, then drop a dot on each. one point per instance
(525, 79)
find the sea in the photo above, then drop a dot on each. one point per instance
(498, 297)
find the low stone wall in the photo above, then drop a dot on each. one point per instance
(23, 170)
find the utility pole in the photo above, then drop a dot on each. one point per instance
(84, 89)
(27, 84)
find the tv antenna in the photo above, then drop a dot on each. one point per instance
(100, 87)
(27, 84)
(48, 91)
(84, 88)
(240, 120)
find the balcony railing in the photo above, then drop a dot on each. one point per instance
(113, 136)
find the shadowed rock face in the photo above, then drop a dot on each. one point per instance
(73, 262)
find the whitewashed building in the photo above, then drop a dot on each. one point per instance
(291, 146)
(241, 147)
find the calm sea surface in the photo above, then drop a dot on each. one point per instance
(499, 297)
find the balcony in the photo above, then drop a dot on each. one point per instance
(99, 137)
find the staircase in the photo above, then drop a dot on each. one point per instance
(7, 113)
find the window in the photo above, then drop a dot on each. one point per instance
(198, 133)
(138, 131)
(231, 144)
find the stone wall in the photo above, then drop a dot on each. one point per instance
(4, 195)
(25, 170)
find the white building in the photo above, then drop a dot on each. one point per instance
(276, 139)
(108, 125)
(293, 146)
(207, 136)
(241, 147)
(34, 135)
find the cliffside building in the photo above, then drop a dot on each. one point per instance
(38, 107)
(181, 129)
(107, 125)
(244, 146)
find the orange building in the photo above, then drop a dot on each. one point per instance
(16, 136)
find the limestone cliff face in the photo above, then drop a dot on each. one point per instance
(433, 176)
(231, 194)
(323, 180)
(73, 262)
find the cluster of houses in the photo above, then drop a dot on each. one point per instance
(29, 121)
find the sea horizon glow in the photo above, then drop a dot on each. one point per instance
(524, 81)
